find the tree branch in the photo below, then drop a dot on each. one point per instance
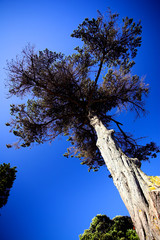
(99, 70)
(53, 93)
(96, 80)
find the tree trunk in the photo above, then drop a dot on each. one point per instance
(139, 192)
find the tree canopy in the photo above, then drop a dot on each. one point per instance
(103, 228)
(65, 91)
(7, 177)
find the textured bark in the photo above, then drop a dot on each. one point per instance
(139, 192)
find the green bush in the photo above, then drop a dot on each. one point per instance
(103, 228)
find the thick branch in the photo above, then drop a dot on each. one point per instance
(96, 80)
(99, 71)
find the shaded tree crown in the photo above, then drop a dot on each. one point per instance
(7, 177)
(66, 91)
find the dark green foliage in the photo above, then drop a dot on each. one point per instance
(64, 92)
(103, 228)
(7, 177)
(105, 40)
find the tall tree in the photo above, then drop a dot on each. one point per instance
(76, 95)
(103, 228)
(7, 177)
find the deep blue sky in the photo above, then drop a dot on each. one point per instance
(54, 198)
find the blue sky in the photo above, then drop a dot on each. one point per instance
(55, 198)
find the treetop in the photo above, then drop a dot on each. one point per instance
(65, 91)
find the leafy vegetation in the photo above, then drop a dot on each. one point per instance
(7, 177)
(103, 228)
(65, 91)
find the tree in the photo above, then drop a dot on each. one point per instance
(76, 95)
(7, 177)
(103, 228)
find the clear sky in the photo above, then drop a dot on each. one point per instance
(54, 198)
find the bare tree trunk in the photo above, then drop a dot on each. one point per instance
(139, 192)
